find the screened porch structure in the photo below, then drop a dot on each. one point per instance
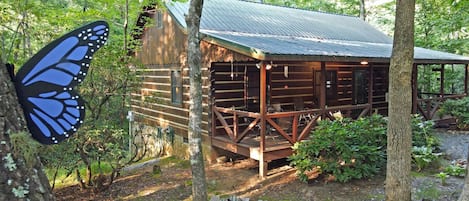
(270, 73)
(289, 98)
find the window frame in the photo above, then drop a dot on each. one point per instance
(176, 87)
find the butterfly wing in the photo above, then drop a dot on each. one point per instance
(45, 84)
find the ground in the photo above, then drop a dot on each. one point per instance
(240, 178)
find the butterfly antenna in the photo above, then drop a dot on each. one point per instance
(11, 71)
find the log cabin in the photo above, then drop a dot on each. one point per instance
(269, 73)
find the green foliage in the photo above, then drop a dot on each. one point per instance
(441, 25)
(347, 7)
(455, 170)
(347, 149)
(423, 156)
(26, 147)
(173, 161)
(458, 109)
(424, 142)
(351, 149)
(427, 192)
(429, 80)
(443, 176)
(27, 26)
(423, 133)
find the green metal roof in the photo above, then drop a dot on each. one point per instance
(267, 32)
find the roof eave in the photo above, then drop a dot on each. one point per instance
(435, 61)
(248, 51)
(263, 56)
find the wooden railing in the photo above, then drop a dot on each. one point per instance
(237, 124)
(428, 107)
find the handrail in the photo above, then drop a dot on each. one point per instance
(292, 134)
(432, 105)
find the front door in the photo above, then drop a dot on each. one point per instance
(360, 86)
(331, 86)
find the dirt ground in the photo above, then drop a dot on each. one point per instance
(240, 178)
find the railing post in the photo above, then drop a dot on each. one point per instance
(263, 110)
(442, 80)
(322, 97)
(295, 128)
(414, 88)
(235, 124)
(370, 88)
(214, 120)
(465, 78)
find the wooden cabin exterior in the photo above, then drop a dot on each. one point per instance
(268, 79)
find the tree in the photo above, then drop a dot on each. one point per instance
(101, 140)
(399, 140)
(199, 189)
(346, 7)
(22, 177)
(442, 25)
(465, 191)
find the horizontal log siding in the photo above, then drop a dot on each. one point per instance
(153, 100)
(296, 83)
(163, 50)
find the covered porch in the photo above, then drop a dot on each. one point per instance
(287, 99)
(261, 109)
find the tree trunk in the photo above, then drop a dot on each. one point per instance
(362, 10)
(199, 189)
(465, 191)
(17, 181)
(399, 140)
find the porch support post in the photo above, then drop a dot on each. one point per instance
(414, 88)
(370, 87)
(263, 110)
(442, 80)
(465, 78)
(322, 97)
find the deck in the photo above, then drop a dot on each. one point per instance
(276, 146)
(241, 132)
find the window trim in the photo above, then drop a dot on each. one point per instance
(159, 19)
(176, 85)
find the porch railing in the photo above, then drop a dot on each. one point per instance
(428, 107)
(237, 124)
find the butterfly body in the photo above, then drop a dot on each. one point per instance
(45, 84)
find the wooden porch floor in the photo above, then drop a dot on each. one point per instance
(276, 147)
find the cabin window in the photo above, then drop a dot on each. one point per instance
(176, 87)
(360, 86)
(159, 19)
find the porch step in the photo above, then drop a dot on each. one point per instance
(272, 151)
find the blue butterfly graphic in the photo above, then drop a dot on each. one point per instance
(53, 110)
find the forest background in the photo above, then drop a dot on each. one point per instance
(28, 25)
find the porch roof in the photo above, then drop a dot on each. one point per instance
(268, 32)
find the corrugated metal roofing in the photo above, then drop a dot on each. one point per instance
(270, 31)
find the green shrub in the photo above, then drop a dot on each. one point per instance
(423, 133)
(459, 110)
(351, 149)
(455, 170)
(346, 149)
(423, 156)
